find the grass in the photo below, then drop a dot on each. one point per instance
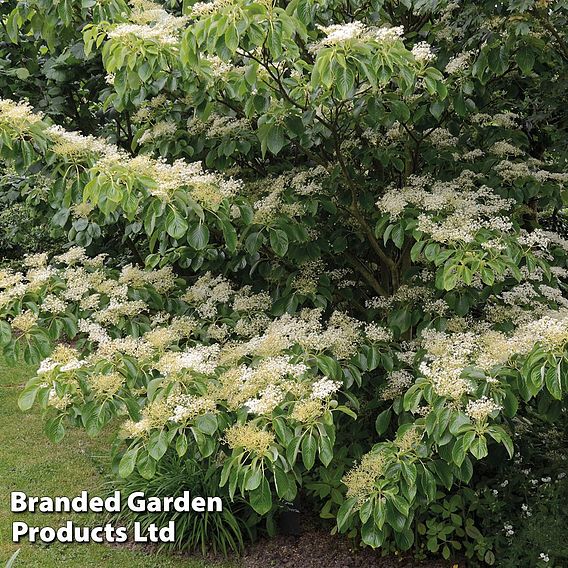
(30, 463)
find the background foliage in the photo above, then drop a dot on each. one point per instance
(350, 220)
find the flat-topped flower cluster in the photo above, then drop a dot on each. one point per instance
(184, 370)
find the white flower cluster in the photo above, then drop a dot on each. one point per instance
(341, 33)
(387, 33)
(207, 292)
(423, 53)
(269, 399)
(529, 169)
(397, 384)
(377, 333)
(441, 138)
(202, 359)
(203, 9)
(503, 148)
(479, 410)
(459, 63)
(451, 210)
(108, 162)
(449, 354)
(218, 126)
(187, 407)
(324, 387)
(73, 145)
(207, 188)
(150, 23)
(159, 131)
(501, 119)
(19, 116)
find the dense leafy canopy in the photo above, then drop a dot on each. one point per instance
(350, 219)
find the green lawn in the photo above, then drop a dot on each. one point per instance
(30, 463)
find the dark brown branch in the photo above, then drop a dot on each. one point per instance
(356, 264)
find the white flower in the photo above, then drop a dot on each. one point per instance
(72, 365)
(388, 34)
(423, 52)
(458, 63)
(269, 399)
(480, 409)
(508, 529)
(324, 387)
(339, 33)
(47, 365)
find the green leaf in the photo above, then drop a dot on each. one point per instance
(345, 513)
(428, 484)
(181, 445)
(253, 242)
(309, 448)
(146, 465)
(459, 422)
(479, 447)
(404, 539)
(60, 218)
(285, 486)
(158, 444)
(412, 398)
(27, 397)
(458, 452)
(207, 423)
(325, 450)
(553, 381)
(292, 450)
(382, 422)
(198, 236)
(279, 241)
(230, 235)
(510, 404)
(436, 109)
(54, 429)
(397, 236)
(400, 110)
(176, 225)
(344, 81)
(401, 320)
(128, 462)
(22, 73)
(252, 478)
(400, 503)
(449, 278)
(525, 58)
(261, 498)
(275, 139)
(329, 367)
(371, 535)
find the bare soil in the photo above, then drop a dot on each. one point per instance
(316, 548)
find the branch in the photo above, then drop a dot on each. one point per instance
(562, 44)
(356, 264)
(358, 215)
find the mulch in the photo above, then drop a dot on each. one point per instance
(311, 547)
(319, 549)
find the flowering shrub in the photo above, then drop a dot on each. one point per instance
(350, 286)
